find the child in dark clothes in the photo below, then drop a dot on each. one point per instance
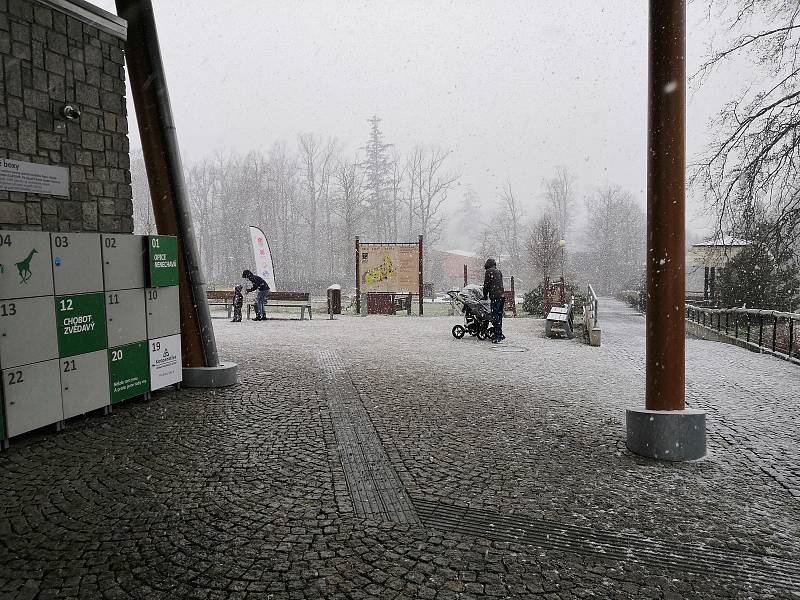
(238, 301)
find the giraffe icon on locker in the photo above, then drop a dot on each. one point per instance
(26, 270)
(24, 267)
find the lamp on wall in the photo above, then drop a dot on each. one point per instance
(71, 113)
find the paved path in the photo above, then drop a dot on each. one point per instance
(381, 458)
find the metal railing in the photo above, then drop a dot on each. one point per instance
(770, 330)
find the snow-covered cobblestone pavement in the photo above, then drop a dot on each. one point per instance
(382, 458)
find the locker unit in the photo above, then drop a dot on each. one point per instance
(27, 331)
(81, 324)
(126, 320)
(165, 361)
(84, 383)
(163, 311)
(77, 263)
(129, 371)
(78, 328)
(124, 258)
(32, 396)
(25, 264)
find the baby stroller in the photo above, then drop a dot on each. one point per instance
(477, 312)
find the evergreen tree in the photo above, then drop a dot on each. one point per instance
(376, 170)
(754, 279)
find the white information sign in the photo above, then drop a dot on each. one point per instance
(18, 176)
(166, 365)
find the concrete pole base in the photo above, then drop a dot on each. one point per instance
(672, 435)
(226, 374)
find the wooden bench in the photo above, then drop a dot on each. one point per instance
(299, 300)
(221, 298)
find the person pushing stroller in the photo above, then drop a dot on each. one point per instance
(493, 288)
(262, 288)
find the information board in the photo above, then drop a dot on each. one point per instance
(81, 324)
(389, 267)
(165, 361)
(129, 371)
(33, 178)
(162, 260)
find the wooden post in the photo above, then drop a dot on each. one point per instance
(666, 174)
(465, 275)
(420, 276)
(170, 198)
(358, 278)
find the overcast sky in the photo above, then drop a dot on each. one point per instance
(513, 88)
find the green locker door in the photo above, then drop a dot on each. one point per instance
(129, 370)
(81, 324)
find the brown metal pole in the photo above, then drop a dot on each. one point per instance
(420, 276)
(165, 177)
(465, 275)
(666, 161)
(358, 277)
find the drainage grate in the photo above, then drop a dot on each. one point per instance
(737, 566)
(375, 488)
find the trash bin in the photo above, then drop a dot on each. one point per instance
(335, 300)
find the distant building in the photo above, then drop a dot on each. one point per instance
(703, 263)
(450, 267)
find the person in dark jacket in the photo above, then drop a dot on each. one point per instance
(493, 289)
(262, 288)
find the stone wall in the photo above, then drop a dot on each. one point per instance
(50, 59)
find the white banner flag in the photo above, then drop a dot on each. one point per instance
(263, 257)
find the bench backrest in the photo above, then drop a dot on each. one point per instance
(219, 294)
(290, 296)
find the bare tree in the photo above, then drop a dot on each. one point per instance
(143, 220)
(317, 160)
(509, 226)
(616, 239)
(749, 174)
(542, 246)
(349, 205)
(560, 197)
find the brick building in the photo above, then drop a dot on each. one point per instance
(63, 105)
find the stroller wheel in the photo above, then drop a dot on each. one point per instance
(458, 331)
(482, 334)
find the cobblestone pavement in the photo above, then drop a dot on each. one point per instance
(382, 458)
